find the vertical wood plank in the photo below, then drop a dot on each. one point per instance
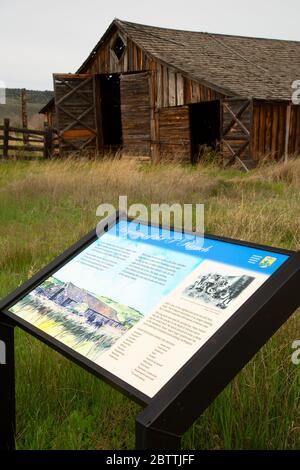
(262, 131)
(281, 133)
(125, 58)
(292, 132)
(274, 132)
(268, 144)
(129, 53)
(180, 89)
(297, 129)
(134, 49)
(154, 128)
(5, 138)
(255, 132)
(159, 86)
(287, 133)
(172, 91)
(190, 92)
(138, 58)
(166, 86)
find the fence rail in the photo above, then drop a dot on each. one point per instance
(26, 143)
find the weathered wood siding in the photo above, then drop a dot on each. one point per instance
(294, 137)
(174, 133)
(167, 88)
(158, 124)
(268, 135)
(105, 61)
(136, 114)
(51, 117)
(173, 89)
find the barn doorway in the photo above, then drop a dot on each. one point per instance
(205, 128)
(111, 109)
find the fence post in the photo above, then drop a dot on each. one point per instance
(5, 138)
(50, 140)
(48, 135)
(24, 114)
(45, 140)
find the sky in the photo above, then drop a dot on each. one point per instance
(38, 37)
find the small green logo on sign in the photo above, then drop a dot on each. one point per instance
(267, 262)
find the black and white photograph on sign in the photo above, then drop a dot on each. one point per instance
(217, 289)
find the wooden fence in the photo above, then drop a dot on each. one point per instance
(27, 144)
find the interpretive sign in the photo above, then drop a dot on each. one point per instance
(142, 307)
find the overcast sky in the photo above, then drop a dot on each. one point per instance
(39, 37)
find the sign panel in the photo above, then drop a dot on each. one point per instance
(140, 301)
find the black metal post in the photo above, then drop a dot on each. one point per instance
(149, 438)
(7, 387)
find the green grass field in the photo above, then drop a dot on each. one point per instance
(44, 207)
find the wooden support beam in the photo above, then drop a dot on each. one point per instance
(236, 155)
(154, 127)
(77, 90)
(237, 115)
(77, 119)
(71, 76)
(236, 118)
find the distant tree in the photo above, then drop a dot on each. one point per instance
(33, 96)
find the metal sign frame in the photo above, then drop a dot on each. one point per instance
(183, 399)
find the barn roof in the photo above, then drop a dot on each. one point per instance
(234, 65)
(243, 66)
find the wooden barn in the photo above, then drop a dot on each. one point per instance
(162, 93)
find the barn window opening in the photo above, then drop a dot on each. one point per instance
(205, 127)
(119, 47)
(111, 109)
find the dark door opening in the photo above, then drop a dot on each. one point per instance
(111, 109)
(204, 127)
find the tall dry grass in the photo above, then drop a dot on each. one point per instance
(285, 172)
(262, 206)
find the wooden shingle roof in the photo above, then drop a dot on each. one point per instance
(240, 66)
(234, 65)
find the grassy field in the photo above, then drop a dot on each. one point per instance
(44, 207)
